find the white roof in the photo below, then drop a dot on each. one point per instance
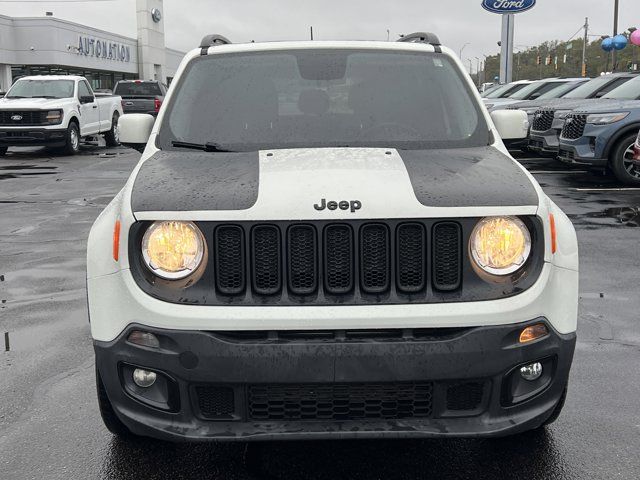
(52, 77)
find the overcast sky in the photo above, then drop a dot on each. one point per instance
(456, 22)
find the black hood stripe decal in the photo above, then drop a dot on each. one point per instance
(468, 177)
(182, 181)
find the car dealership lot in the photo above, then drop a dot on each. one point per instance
(49, 421)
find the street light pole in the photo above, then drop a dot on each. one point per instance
(463, 47)
(478, 70)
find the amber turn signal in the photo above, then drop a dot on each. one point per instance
(116, 240)
(533, 332)
(552, 225)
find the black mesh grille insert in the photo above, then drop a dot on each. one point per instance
(411, 257)
(22, 117)
(447, 261)
(266, 260)
(229, 260)
(215, 401)
(340, 401)
(374, 258)
(464, 396)
(338, 259)
(303, 263)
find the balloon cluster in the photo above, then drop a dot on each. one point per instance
(619, 42)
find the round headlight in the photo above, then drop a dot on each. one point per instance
(173, 250)
(500, 245)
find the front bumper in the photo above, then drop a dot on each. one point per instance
(211, 379)
(32, 136)
(580, 152)
(545, 143)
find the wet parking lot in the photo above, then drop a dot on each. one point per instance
(49, 421)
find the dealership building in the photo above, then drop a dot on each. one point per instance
(48, 45)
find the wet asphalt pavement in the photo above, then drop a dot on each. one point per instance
(49, 421)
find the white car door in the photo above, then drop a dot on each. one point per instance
(89, 112)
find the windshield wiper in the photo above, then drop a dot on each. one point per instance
(205, 147)
(16, 96)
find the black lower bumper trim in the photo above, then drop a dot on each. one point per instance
(30, 137)
(260, 389)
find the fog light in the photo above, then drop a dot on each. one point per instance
(531, 371)
(145, 378)
(145, 339)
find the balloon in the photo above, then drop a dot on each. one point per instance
(619, 42)
(635, 37)
(607, 44)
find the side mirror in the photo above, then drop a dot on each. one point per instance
(135, 130)
(600, 94)
(511, 124)
(86, 99)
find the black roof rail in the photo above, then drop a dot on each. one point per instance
(213, 40)
(421, 37)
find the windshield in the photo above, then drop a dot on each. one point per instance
(506, 90)
(150, 89)
(324, 98)
(627, 91)
(41, 89)
(560, 90)
(589, 89)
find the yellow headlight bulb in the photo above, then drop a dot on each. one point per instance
(172, 249)
(500, 245)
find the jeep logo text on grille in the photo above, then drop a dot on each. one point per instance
(352, 205)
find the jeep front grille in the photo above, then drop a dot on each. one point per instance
(347, 262)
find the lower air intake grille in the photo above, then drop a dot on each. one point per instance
(464, 396)
(340, 401)
(447, 250)
(215, 402)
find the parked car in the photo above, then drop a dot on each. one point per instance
(530, 92)
(547, 120)
(140, 96)
(320, 241)
(636, 151)
(56, 111)
(603, 136)
(505, 90)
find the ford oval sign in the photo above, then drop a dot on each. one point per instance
(508, 6)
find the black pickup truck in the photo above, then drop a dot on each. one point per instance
(140, 96)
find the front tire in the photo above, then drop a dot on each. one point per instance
(621, 161)
(108, 414)
(3, 151)
(72, 145)
(112, 137)
(556, 411)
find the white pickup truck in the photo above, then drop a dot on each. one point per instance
(56, 111)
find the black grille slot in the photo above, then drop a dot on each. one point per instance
(215, 402)
(338, 259)
(303, 262)
(267, 278)
(27, 117)
(340, 401)
(447, 253)
(574, 126)
(542, 120)
(374, 258)
(465, 396)
(410, 259)
(229, 260)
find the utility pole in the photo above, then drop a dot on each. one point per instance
(584, 47)
(615, 32)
